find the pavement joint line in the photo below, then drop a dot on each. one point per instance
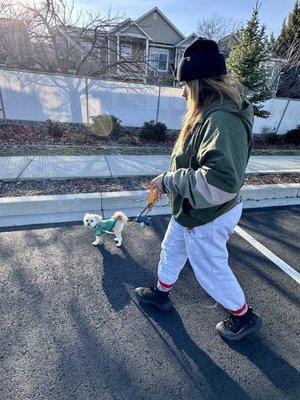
(269, 254)
(26, 166)
(107, 163)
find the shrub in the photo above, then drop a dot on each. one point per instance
(81, 138)
(54, 129)
(292, 136)
(268, 136)
(107, 126)
(154, 131)
(129, 140)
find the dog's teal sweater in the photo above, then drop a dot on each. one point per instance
(105, 225)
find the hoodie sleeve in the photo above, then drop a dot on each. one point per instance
(222, 156)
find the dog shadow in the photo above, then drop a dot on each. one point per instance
(206, 376)
(120, 275)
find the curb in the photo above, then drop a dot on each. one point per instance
(20, 211)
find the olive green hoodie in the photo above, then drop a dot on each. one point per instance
(205, 177)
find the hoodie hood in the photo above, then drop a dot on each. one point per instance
(245, 113)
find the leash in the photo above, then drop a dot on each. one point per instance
(153, 197)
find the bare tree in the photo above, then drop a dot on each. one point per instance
(14, 39)
(217, 27)
(67, 40)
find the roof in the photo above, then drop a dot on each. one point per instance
(133, 23)
(187, 38)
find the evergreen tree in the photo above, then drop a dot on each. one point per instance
(272, 42)
(287, 47)
(248, 61)
(288, 40)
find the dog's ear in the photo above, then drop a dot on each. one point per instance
(97, 217)
(85, 219)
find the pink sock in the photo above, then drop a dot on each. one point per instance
(241, 311)
(164, 287)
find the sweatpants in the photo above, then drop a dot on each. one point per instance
(205, 247)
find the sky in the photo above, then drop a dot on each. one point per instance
(185, 15)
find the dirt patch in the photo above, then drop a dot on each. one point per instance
(43, 133)
(30, 134)
(49, 187)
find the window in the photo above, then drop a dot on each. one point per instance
(158, 59)
(126, 51)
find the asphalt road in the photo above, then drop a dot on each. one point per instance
(71, 328)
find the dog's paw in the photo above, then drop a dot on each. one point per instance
(119, 244)
(115, 239)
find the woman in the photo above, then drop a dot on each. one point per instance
(206, 172)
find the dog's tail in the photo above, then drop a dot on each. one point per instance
(120, 216)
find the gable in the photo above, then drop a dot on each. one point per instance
(133, 29)
(186, 42)
(158, 27)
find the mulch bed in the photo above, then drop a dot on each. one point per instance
(39, 133)
(49, 187)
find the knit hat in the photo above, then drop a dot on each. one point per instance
(201, 59)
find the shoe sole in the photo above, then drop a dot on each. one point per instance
(162, 307)
(254, 328)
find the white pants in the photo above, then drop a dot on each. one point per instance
(205, 247)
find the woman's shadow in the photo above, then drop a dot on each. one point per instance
(206, 377)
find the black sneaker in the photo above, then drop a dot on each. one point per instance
(155, 297)
(235, 328)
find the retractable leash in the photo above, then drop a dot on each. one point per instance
(143, 220)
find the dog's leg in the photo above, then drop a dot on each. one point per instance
(118, 239)
(97, 241)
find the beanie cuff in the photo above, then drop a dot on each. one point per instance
(190, 69)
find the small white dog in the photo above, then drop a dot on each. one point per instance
(113, 225)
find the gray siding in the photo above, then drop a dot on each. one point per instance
(159, 29)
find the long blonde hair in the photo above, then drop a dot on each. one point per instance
(201, 93)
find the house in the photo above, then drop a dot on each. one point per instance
(15, 45)
(146, 50)
(226, 43)
(152, 43)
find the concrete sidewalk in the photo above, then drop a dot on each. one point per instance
(113, 166)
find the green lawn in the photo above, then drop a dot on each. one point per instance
(10, 150)
(31, 150)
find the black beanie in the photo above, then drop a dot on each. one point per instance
(201, 59)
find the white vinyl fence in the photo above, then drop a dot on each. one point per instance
(38, 97)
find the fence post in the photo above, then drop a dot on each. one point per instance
(158, 103)
(2, 106)
(87, 101)
(287, 104)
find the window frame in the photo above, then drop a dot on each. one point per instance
(156, 51)
(129, 56)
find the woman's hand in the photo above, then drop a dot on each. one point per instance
(156, 184)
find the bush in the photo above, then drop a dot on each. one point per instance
(54, 129)
(268, 136)
(130, 140)
(154, 131)
(107, 126)
(81, 138)
(292, 136)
